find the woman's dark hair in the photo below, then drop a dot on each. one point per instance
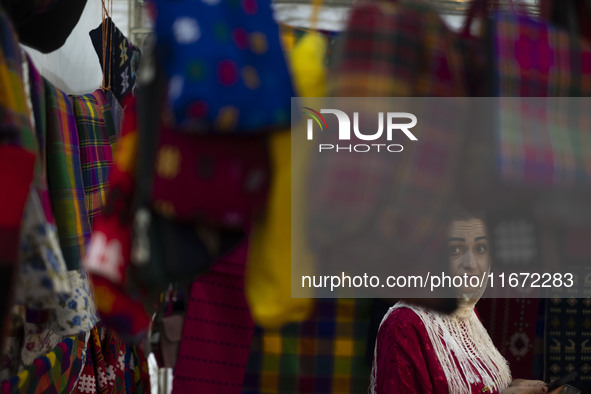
(460, 213)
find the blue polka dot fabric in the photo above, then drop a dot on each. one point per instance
(225, 66)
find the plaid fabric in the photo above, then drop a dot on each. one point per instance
(326, 354)
(532, 145)
(56, 372)
(118, 310)
(96, 136)
(535, 59)
(65, 176)
(37, 89)
(401, 49)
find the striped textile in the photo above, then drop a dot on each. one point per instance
(401, 49)
(391, 50)
(56, 372)
(534, 59)
(326, 354)
(97, 136)
(64, 173)
(536, 141)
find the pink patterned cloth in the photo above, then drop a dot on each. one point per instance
(218, 331)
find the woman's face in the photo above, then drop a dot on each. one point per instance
(468, 249)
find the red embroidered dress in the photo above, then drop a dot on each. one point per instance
(407, 362)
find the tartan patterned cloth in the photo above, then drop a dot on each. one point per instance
(533, 145)
(401, 49)
(64, 174)
(390, 50)
(326, 354)
(56, 372)
(534, 59)
(97, 136)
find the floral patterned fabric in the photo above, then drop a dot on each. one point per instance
(77, 312)
(42, 277)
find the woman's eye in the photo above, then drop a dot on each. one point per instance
(482, 249)
(455, 250)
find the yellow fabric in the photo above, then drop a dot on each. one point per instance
(268, 274)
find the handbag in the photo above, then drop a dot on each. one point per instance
(224, 65)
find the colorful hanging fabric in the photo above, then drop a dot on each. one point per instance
(18, 160)
(76, 312)
(56, 372)
(122, 58)
(398, 49)
(96, 138)
(109, 251)
(217, 331)
(14, 115)
(42, 278)
(225, 66)
(112, 366)
(64, 173)
(325, 354)
(268, 276)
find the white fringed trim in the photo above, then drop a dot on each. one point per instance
(463, 336)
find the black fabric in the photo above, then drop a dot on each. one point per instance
(124, 59)
(44, 24)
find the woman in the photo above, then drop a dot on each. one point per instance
(422, 351)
